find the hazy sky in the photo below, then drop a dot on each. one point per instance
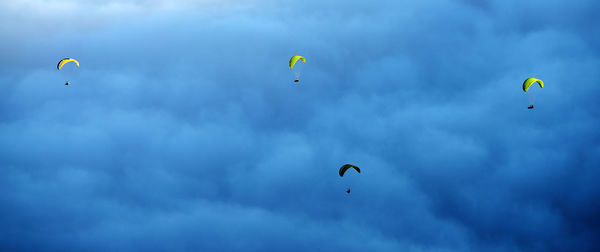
(184, 131)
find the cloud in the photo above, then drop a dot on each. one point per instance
(183, 130)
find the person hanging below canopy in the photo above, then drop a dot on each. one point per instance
(296, 69)
(527, 85)
(63, 62)
(345, 168)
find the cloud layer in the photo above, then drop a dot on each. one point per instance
(183, 130)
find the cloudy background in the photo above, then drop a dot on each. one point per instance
(183, 130)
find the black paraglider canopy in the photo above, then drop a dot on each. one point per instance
(345, 167)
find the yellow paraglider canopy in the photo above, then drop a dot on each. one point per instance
(296, 58)
(64, 61)
(529, 81)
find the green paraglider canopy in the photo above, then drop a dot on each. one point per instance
(294, 59)
(529, 81)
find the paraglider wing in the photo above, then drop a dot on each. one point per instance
(294, 59)
(528, 82)
(64, 61)
(345, 167)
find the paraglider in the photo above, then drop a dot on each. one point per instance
(529, 81)
(345, 168)
(296, 70)
(527, 85)
(64, 61)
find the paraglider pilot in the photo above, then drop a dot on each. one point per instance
(530, 81)
(293, 61)
(66, 84)
(343, 170)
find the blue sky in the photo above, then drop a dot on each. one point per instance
(183, 130)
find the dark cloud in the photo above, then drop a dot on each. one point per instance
(183, 130)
